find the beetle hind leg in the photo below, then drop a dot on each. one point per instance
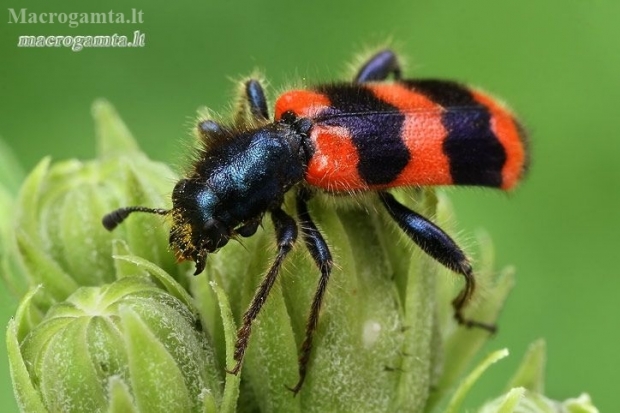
(379, 67)
(436, 243)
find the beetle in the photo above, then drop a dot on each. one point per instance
(371, 134)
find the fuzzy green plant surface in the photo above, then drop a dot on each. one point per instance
(109, 322)
(11, 176)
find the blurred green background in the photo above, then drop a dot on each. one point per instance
(556, 62)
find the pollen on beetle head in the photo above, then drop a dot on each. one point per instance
(181, 237)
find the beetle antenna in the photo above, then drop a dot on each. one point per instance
(114, 218)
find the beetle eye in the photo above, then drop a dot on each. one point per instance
(288, 117)
(179, 189)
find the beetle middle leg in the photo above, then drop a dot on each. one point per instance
(323, 258)
(252, 103)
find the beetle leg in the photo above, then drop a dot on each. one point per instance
(207, 128)
(252, 99)
(436, 243)
(379, 67)
(286, 234)
(256, 100)
(322, 257)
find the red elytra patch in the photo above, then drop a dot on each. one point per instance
(333, 165)
(423, 133)
(505, 128)
(304, 103)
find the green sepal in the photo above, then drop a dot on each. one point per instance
(531, 372)
(161, 276)
(43, 270)
(526, 386)
(113, 136)
(155, 375)
(511, 400)
(26, 394)
(121, 400)
(467, 383)
(232, 382)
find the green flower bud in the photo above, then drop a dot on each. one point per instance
(59, 232)
(520, 400)
(386, 338)
(386, 329)
(525, 394)
(128, 346)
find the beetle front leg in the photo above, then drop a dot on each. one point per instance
(436, 243)
(286, 234)
(208, 128)
(379, 67)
